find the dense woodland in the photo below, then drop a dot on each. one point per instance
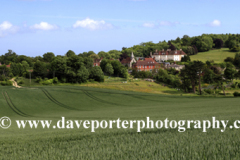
(78, 68)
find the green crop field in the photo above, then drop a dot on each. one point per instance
(84, 103)
(217, 55)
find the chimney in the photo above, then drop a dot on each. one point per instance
(162, 50)
(156, 50)
(180, 49)
(151, 54)
(168, 50)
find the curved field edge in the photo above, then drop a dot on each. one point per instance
(117, 143)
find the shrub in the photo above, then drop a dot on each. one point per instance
(196, 88)
(6, 83)
(38, 79)
(91, 80)
(233, 86)
(63, 80)
(20, 82)
(9, 83)
(229, 59)
(236, 94)
(238, 85)
(47, 82)
(235, 49)
(209, 91)
(222, 65)
(217, 91)
(55, 80)
(3, 83)
(205, 85)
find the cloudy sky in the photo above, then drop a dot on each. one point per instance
(34, 27)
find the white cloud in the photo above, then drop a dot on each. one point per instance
(44, 26)
(215, 23)
(5, 25)
(92, 24)
(159, 24)
(167, 23)
(149, 25)
(7, 28)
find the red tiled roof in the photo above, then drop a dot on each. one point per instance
(127, 60)
(97, 60)
(175, 52)
(147, 61)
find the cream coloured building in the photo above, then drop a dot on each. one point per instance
(175, 55)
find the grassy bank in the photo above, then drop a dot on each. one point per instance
(217, 55)
(117, 83)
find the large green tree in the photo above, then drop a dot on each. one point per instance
(109, 69)
(116, 67)
(70, 53)
(204, 43)
(208, 76)
(105, 55)
(88, 62)
(39, 69)
(59, 67)
(185, 79)
(194, 71)
(48, 57)
(229, 72)
(82, 75)
(96, 74)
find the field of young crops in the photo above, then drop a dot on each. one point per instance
(83, 103)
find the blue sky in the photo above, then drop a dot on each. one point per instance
(34, 27)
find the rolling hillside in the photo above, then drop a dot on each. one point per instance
(84, 103)
(217, 55)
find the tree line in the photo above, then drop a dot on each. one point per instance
(78, 68)
(190, 45)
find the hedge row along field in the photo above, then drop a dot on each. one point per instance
(82, 103)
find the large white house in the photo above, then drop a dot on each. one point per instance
(175, 55)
